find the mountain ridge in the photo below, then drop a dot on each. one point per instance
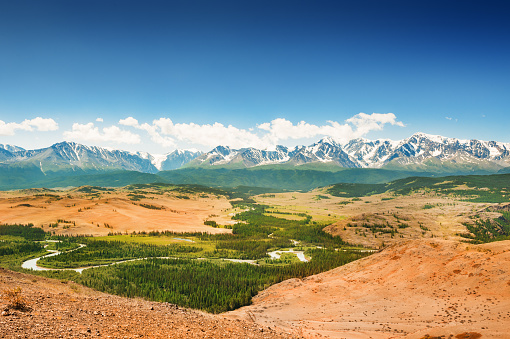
(420, 152)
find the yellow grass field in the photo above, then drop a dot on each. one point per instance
(114, 210)
(426, 215)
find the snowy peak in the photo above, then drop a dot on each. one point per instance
(175, 159)
(415, 153)
(419, 152)
(326, 150)
(369, 153)
(328, 140)
(71, 156)
(11, 148)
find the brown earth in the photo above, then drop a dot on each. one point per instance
(414, 216)
(114, 211)
(68, 310)
(412, 289)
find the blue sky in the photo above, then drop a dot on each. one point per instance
(158, 75)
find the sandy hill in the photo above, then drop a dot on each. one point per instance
(67, 310)
(413, 289)
(100, 211)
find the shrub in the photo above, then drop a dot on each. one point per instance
(15, 300)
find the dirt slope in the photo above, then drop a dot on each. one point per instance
(72, 212)
(68, 310)
(411, 289)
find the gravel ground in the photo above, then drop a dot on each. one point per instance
(68, 310)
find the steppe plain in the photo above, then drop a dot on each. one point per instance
(423, 283)
(97, 211)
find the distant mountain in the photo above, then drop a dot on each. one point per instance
(73, 157)
(245, 157)
(175, 159)
(324, 151)
(420, 152)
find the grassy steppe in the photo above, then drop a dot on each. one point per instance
(325, 224)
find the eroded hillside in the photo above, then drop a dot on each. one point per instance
(412, 289)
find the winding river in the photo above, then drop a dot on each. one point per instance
(31, 264)
(277, 254)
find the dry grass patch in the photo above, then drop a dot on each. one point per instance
(15, 300)
(80, 211)
(414, 216)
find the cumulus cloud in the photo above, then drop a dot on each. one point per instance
(99, 120)
(91, 133)
(36, 124)
(209, 134)
(152, 130)
(165, 132)
(282, 129)
(354, 127)
(365, 123)
(130, 121)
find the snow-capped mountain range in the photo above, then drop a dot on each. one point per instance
(73, 156)
(420, 152)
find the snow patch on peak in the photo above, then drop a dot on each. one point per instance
(432, 137)
(328, 140)
(157, 160)
(11, 148)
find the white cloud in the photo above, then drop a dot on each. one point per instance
(43, 125)
(88, 132)
(448, 118)
(282, 129)
(210, 135)
(152, 130)
(365, 123)
(99, 120)
(355, 127)
(130, 121)
(36, 124)
(11, 127)
(165, 132)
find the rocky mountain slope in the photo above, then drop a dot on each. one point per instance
(413, 289)
(70, 156)
(60, 309)
(421, 152)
